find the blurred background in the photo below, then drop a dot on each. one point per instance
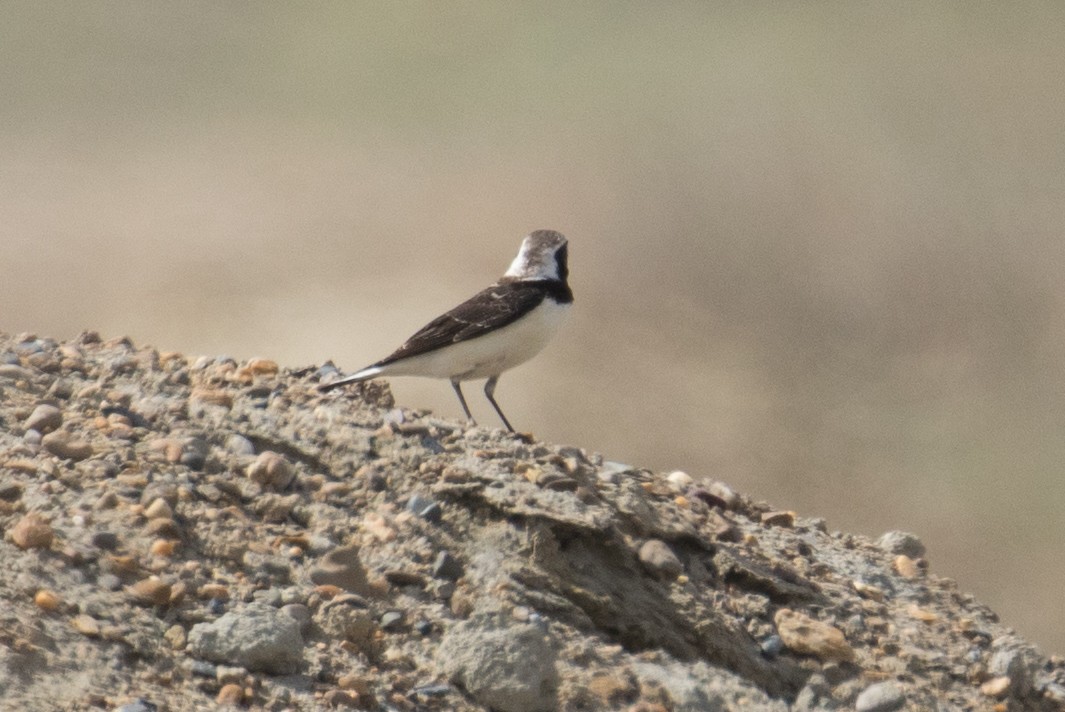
(816, 248)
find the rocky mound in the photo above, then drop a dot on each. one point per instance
(182, 533)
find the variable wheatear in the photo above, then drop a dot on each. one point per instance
(496, 329)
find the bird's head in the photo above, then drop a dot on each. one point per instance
(543, 255)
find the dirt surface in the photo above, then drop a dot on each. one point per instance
(184, 534)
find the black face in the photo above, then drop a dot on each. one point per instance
(562, 262)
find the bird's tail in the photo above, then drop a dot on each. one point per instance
(358, 377)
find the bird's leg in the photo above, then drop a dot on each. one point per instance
(489, 390)
(456, 384)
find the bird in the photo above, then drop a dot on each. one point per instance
(493, 331)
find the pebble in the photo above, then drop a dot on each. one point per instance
(44, 418)
(65, 446)
(446, 566)
(772, 646)
(346, 618)
(658, 558)
(259, 638)
(239, 445)
(996, 687)
(176, 636)
(779, 519)
(340, 698)
(159, 509)
(898, 542)
(263, 367)
(213, 590)
(231, 694)
(212, 397)
(272, 470)
(425, 508)
(12, 491)
(392, 620)
(150, 592)
(880, 697)
(47, 600)
(104, 540)
(724, 493)
(14, 372)
(86, 625)
(807, 636)
(679, 480)
(32, 532)
(906, 567)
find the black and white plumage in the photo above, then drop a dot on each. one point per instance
(495, 330)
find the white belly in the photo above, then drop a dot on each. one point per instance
(487, 355)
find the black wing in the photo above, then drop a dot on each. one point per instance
(490, 309)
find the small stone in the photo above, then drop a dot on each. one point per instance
(772, 646)
(108, 500)
(159, 509)
(779, 519)
(897, 542)
(212, 397)
(213, 591)
(659, 559)
(346, 618)
(86, 625)
(447, 567)
(272, 470)
(32, 532)
(807, 636)
(679, 480)
(231, 694)
(44, 418)
(340, 698)
(14, 372)
(724, 493)
(391, 620)
(108, 541)
(867, 590)
(906, 567)
(425, 508)
(263, 367)
(176, 636)
(12, 491)
(64, 445)
(922, 614)
(163, 547)
(150, 592)
(47, 600)
(259, 638)
(880, 697)
(997, 687)
(167, 528)
(239, 445)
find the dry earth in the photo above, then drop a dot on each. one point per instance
(186, 534)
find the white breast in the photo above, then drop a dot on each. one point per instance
(491, 354)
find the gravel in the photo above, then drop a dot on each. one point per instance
(182, 532)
